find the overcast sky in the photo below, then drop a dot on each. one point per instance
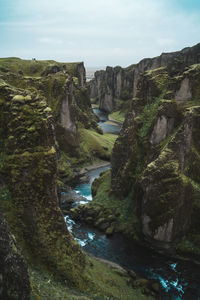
(100, 33)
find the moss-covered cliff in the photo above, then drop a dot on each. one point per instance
(28, 175)
(14, 279)
(156, 157)
(46, 120)
(63, 87)
(113, 88)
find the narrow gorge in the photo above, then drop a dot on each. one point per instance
(72, 230)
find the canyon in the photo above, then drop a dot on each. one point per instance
(151, 193)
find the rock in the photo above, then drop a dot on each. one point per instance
(114, 84)
(14, 279)
(65, 212)
(155, 287)
(142, 282)
(30, 170)
(110, 230)
(89, 220)
(155, 159)
(121, 228)
(132, 274)
(111, 218)
(103, 226)
(110, 86)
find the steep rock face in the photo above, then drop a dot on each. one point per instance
(29, 173)
(155, 155)
(14, 280)
(63, 87)
(116, 84)
(167, 216)
(175, 61)
(110, 86)
(81, 74)
(129, 150)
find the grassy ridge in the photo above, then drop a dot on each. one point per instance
(33, 68)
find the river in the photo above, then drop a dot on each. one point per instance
(179, 279)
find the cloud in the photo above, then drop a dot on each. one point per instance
(47, 40)
(98, 32)
(163, 42)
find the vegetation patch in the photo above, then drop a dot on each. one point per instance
(34, 67)
(109, 282)
(117, 116)
(106, 212)
(93, 144)
(148, 114)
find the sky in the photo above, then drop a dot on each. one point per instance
(100, 33)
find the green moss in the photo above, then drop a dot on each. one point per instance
(126, 94)
(34, 67)
(187, 245)
(110, 205)
(65, 167)
(164, 144)
(159, 76)
(94, 144)
(109, 283)
(112, 282)
(147, 116)
(5, 199)
(117, 116)
(29, 201)
(19, 98)
(123, 106)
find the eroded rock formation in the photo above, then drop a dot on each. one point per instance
(110, 86)
(29, 174)
(14, 279)
(44, 109)
(156, 156)
(114, 84)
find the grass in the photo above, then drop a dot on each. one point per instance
(148, 114)
(46, 286)
(112, 283)
(109, 282)
(94, 144)
(117, 116)
(32, 67)
(123, 208)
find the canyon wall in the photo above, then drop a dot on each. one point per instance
(110, 86)
(115, 84)
(45, 111)
(156, 156)
(14, 279)
(29, 169)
